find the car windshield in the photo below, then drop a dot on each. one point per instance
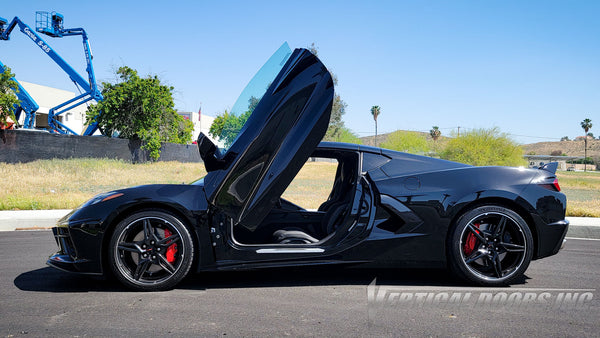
(251, 95)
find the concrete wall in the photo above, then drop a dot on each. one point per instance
(26, 146)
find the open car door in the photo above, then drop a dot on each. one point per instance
(285, 127)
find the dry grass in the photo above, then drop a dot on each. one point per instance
(312, 185)
(583, 192)
(64, 184)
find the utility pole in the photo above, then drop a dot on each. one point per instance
(458, 131)
(585, 153)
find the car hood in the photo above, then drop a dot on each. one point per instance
(285, 127)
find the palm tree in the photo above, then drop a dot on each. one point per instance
(375, 111)
(586, 125)
(435, 133)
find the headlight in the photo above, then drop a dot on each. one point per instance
(102, 198)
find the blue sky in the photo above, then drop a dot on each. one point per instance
(531, 68)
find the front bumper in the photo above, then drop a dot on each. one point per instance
(66, 258)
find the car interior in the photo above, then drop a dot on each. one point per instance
(289, 223)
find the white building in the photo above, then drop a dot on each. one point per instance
(48, 98)
(201, 123)
(74, 119)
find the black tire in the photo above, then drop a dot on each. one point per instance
(150, 250)
(490, 245)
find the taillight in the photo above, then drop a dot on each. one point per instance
(555, 184)
(551, 186)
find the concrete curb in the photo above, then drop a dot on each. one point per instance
(30, 219)
(581, 227)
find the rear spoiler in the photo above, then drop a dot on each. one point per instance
(551, 167)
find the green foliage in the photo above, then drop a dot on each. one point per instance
(336, 130)
(8, 99)
(484, 147)
(227, 126)
(336, 124)
(435, 133)
(142, 108)
(344, 135)
(586, 124)
(375, 111)
(407, 141)
(565, 138)
(587, 160)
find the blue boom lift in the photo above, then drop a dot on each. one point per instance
(51, 24)
(27, 104)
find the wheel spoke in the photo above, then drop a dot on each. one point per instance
(141, 268)
(168, 241)
(131, 247)
(475, 257)
(497, 264)
(475, 232)
(148, 230)
(164, 263)
(512, 247)
(499, 230)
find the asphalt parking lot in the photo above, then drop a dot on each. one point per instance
(40, 301)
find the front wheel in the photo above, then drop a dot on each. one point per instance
(150, 251)
(490, 245)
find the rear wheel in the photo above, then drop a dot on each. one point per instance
(150, 250)
(490, 245)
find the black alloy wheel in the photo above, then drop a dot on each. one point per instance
(150, 250)
(490, 245)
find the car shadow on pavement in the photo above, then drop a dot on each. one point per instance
(51, 280)
(323, 276)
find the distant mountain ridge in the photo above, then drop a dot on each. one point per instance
(569, 148)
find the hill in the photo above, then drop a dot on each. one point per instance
(569, 148)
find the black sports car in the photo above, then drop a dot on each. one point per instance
(385, 209)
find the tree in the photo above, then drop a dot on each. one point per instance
(227, 126)
(375, 111)
(564, 138)
(484, 147)
(435, 133)
(337, 129)
(406, 141)
(586, 125)
(336, 124)
(140, 108)
(346, 135)
(8, 99)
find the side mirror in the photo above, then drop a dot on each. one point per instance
(209, 153)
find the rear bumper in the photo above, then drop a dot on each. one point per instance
(550, 237)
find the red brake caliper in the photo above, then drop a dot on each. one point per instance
(172, 249)
(471, 241)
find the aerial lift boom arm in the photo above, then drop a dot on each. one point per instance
(55, 29)
(27, 104)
